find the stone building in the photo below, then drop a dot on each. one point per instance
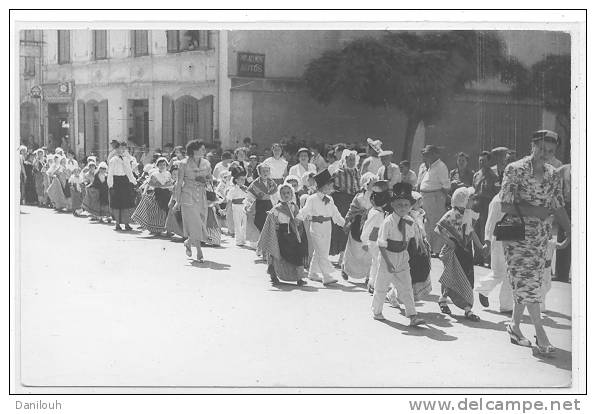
(30, 52)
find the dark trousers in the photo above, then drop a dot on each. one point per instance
(481, 207)
(563, 264)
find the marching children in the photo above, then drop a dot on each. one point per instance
(419, 251)
(456, 229)
(283, 241)
(235, 197)
(380, 197)
(321, 211)
(394, 235)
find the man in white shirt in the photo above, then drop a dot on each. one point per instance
(434, 185)
(277, 164)
(389, 171)
(304, 165)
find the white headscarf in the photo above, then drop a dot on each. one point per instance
(347, 153)
(461, 196)
(366, 178)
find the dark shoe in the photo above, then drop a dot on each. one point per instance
(471, 316)
(118, 228)
(444, 308)
(344, 275)
(371, 290)
(127, 227)
(517, 339)
(483, 300)
(274, 280)
(301, 282)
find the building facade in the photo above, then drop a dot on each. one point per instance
(30, 72)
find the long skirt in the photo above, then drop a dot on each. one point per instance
(262, 207)
(526, 260)
(30, 189)
(39, 187)
(457, 281)
(174, 222)
(420, 268)
(194, 217)
(290, 266)
(93, 204)
(339, 238)
(356, 262)
(122, 199)
(213, 227)
(149, 215)
(56, 194)
(76, 199)
(47, 181)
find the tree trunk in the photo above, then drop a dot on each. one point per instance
(564, 124)
(411, 127)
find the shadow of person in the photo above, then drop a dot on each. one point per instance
(422, 330)
(551, 323)
(351, 288)
(207, 264)
(289, 287)
(482, 323)
(558, 359)
(557, 314)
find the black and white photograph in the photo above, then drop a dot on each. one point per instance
(211, 207)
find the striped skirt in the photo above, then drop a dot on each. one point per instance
(149, 215)
(213, 228)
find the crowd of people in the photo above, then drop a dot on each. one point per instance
(383, 221)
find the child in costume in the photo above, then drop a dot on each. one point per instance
(320, 210)
(283, 241)
(456, 230)
(419, 251)
(235, 198)
(394, 236)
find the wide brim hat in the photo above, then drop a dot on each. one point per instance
(375, 144)
(403, 191)
(385, 153)
(322, 178)
(304, 150)
(545, 134)
(498, 150)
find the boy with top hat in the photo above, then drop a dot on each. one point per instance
(394, 235)
(236, 196)
(320, 211)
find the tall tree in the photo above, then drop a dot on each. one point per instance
(549, 81)
(414, 73)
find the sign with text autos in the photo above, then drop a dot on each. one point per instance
(251, 65)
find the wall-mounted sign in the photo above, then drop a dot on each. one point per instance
(58, 92)
(251, 65)
(35, 91)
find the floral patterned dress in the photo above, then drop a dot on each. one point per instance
(526, 258)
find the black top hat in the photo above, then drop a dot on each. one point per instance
(403, 191)
(323, 178)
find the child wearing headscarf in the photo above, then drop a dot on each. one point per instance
(56, 190)
(294, 181)
(394, 236)
(236, 195)
(258, 202)
(283, 241)
(456, 229)
(75, 190)
(357, 261)
(419, 251)
(96, 195)
(39, 169)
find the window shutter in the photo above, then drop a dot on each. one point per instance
(103, 126)
(90, 138)
(81, 124)
(166, 120)
(206, 118)
(173, 40)
(204, 39)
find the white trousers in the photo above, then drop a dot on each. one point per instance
(498, 275)
(373, 249)
(320, 235)
(239, 223)
(402, 282)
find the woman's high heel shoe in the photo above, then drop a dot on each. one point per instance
(544, 350)
(517, 339)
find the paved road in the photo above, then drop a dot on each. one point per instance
(126, 309)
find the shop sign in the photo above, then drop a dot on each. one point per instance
(251, 65)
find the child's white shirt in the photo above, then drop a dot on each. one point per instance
(374, 220)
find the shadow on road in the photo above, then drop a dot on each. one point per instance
(287, 287)
(207, 264)
(423, 330)
(482, 323)
(352, 288)
(559, 359)
(546, 320)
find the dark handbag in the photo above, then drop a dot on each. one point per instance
(511, 230)
(211, 195)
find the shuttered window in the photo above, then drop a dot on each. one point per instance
(183, 40)
(140, 42)
(100, 44)
(63, 46)
(28, 66)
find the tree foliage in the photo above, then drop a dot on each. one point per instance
(412, 72)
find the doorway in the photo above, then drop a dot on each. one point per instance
(58, 125)
(138, 121)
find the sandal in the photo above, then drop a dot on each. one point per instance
(188, 249)
(444, 308)
(518, 339)
(544, 349)
(471, 316)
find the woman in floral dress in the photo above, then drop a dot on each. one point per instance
(532, 187)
